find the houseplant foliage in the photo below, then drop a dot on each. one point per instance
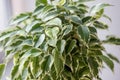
(57, 41)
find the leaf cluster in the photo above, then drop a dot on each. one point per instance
(57, 41)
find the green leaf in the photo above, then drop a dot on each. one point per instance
(86, 19)
(94, 39)
(76, 19)
(112, 40)
(96, 53)
(61, 46)
(96, 47)
(16, 43)
(21, 32)
(38, 2)
(52, 32)
(2, 67)
(82, 7)
(26, 47)
(93, 66)
(85, 0)
(20, 18)
(84, 33)
(45, 10)
(40, 40)
(72, 8)
(37, 29)
(53, 73)
(35, 67)
(44, 46)
(70, 46)
(50, 15)
(7, 34)
(99, 14)
(83, 71)
(58, 62)
(109, 62)
(28, 42)
(32, 52)
(107, 17)
(38, 10)
(100, 25)
(62, 2)
(23, 59)
(68, 64)
(25, 73)
(52, 42)
(113, 58)
(31, 26)
(98, 7)
(54, 22)
(47, 63)
(49, 32)
(92, 30)
(35, 52)
(15, 58)
(46, 77)
(68, 29)
(15, 73)
(9, 56)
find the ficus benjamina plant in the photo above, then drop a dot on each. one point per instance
(57, 41)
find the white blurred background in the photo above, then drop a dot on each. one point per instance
(10, 8)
